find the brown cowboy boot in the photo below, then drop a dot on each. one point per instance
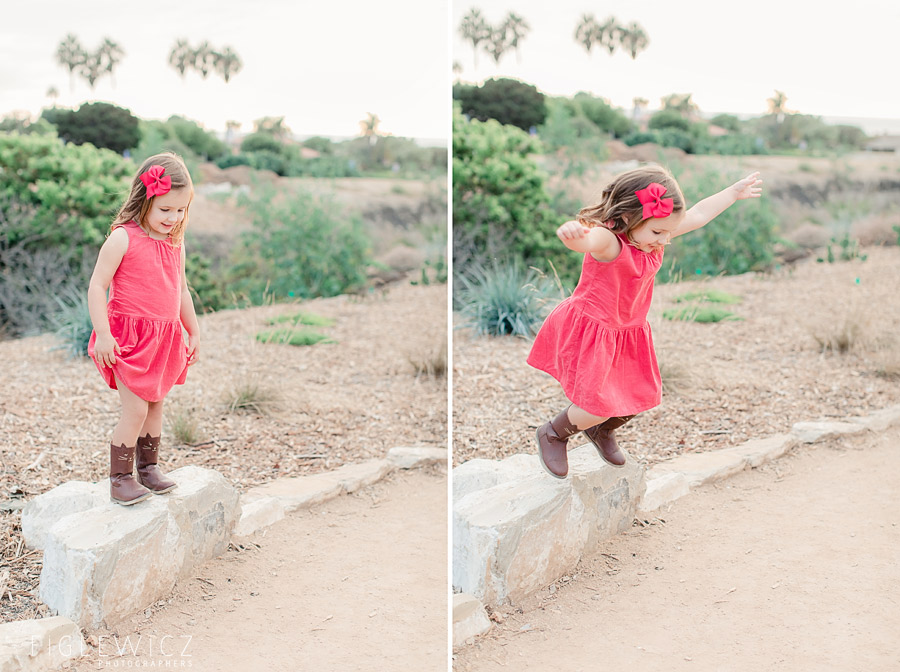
(604, 440)
(148, 473)
(123, 489)
(552, 439)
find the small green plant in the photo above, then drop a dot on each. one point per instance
(73, 322)
(897, 231)
(184, 427)
(309, 319)
(504, 299)
(251, 397)
(702, 314)
(438, 272)
(848, 249)
(291, 336)
(709, 296)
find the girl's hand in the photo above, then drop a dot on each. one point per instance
(749, 187)
(572, 231)
(193, 349)
(105, 349)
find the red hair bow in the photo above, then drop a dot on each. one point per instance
(156, 184)
(654, 204)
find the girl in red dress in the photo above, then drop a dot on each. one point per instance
(597, 343)
(138, 344)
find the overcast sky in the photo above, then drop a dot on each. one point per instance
(322, 65)
(830, 59)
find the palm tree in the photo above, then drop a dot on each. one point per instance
(204, 59)
(496, 44)
(227, 63)
(475, 29)
(777, 104)
(609, 34)
(92, 68)
(181, 57)
(274, 126)
(368, 127)
(70, 54)
(53, 94)
(679, 102)
(517, 28)
(634, 39)
(586, 32)
(110, 55)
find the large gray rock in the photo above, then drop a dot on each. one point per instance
(40, 644)
(44, 511)
(514, 538)
(105, 563)
(480, 474)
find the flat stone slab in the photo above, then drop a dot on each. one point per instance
(811, 432)
(880, 420)
(299, 492)
(517, 536)
(39, 644)
(469, 618)
(45, 510)
(416, 456)
(105, 563)
(257, 514)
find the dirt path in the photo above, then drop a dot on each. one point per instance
(793, 566)
(358, 582)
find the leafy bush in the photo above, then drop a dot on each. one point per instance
(101, 124)
(201, 142)
(261, 142)
(710, 296)
(605, 117)
(72, 191)
(500, 204)
(299, 247)
(308, 319)
(73, 322)
(509, 101)
(234, 160)
(504, 299)
(739, 240)
(668, 119)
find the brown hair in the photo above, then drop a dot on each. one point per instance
(137, 205)
(619, 208)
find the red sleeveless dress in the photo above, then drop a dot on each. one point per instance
(144, 311)
(597, 343)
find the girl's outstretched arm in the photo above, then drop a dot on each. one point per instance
(709, 208)
(189, 315)
(108, 260)
(598, 241)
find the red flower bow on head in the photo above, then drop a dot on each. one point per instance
(156, 184)
(654, 204)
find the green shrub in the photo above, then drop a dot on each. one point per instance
(261, 142)
(501, 207)
(308, 319)
(703, 314)
(200, 141)
(504, 299)
(293, 337)
(100, 124)
(300, 246)
(73, 322)
(665, 119)
(708, 295)
(739, 240)
(509, 101)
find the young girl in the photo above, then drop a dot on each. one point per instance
(137, 342)
(597, 342)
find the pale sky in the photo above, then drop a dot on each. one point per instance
(831, 60)
(322, 65)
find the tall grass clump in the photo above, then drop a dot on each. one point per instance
(739, 240)
(504, 299)
(433, 364)
(250, 396)
(292, 336)
(184, 426)
(73, 322)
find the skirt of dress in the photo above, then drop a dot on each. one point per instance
(153, 356)
(606, 371)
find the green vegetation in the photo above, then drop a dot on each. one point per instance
(308, 319)
(183, 426)
(300, 247)
(508, 101)
(701, 313)
(250, 396)
(709, 296)
(847, 247)
(504, 299)
(291, 336)
(101, 124)
(739, 240)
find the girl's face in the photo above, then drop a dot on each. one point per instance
(654, 234)
(166, 212)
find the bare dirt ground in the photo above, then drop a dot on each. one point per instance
(329, 588)
(321, 406)
(791, 566)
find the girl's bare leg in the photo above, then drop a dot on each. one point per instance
(582, 419)
(153, 424)
(134, 414)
